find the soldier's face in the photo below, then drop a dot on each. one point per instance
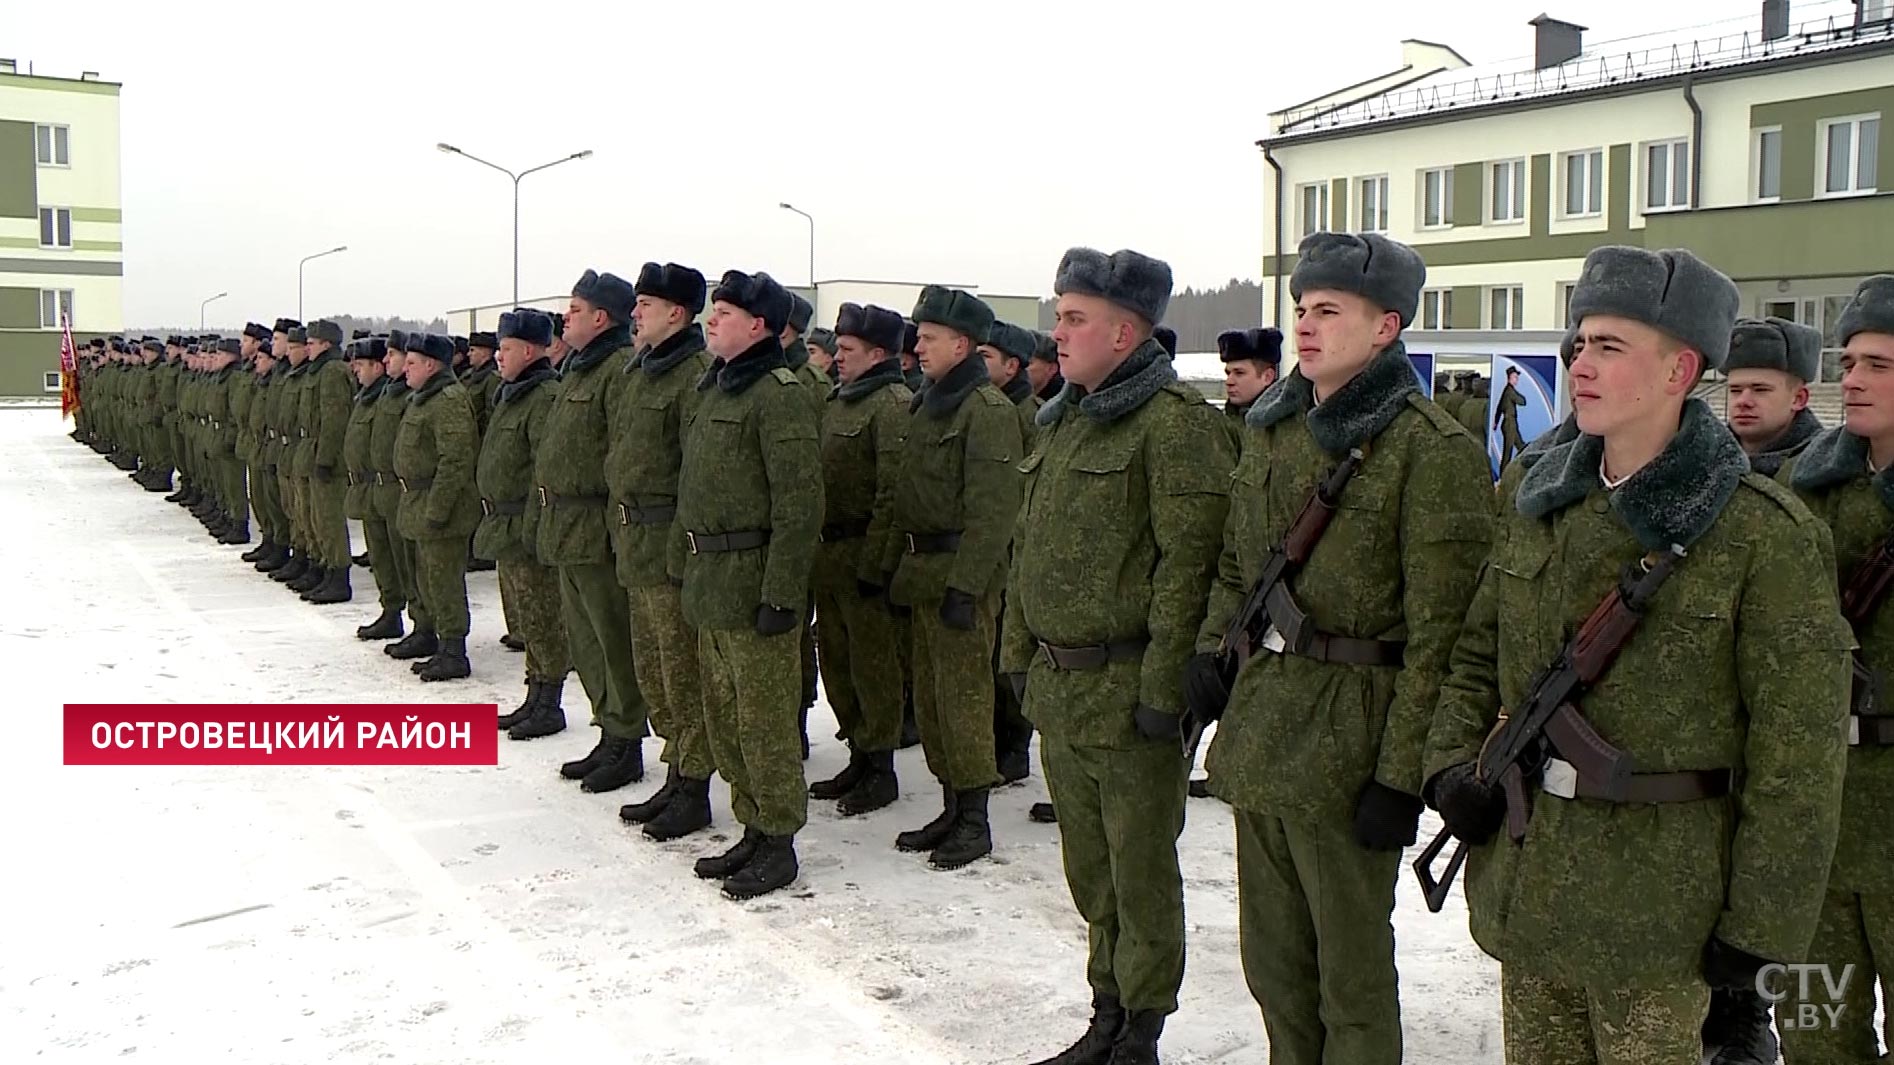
(1337, 334)
(1039, 371)
(420, 370)
(1094, 337)
(1763, 403)
(1000, 370)
(366, 370)
(1626, 375)
(1867, 385)
(479, 356)
(584, 322)
(732, 330)
(249, 345)
(940, 349)
(856, 357)
(1245, 379)
(514, 355)
(396, 363)
(820, 359)
(654, 319)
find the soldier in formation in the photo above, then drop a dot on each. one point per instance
(1770, 366)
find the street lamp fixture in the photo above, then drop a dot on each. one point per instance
(451, 150)
(299, 275)
(809, 219)
(206, 303)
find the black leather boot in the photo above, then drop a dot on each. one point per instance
(719, 866)
(841, 783)
(639, 813)
(386, 626)
(450, 663)
(236, 532)
(1137, 1041)
(333, 589)
(548, 717)
(418, 644)
(970, 838)
(524, 710)
(626, 766)
(771, 868)
(1043, 813)
(1736, 1031)
(576, 770)
(275, 560)
(512, 642)
(687, 812)
(263, 547)
(878, 786)
(931, 835)
(1094, 1047)
(311, 577)
(292, 569)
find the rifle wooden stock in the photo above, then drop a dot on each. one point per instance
(1867, 584)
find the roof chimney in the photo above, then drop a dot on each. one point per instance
(1555, 42)
(1775, 19)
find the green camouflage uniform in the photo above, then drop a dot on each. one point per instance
(1011, 729)
(326, 400)
(395, 581)
(358, 466)
(509, 528)
(295, 499)
(569, 475)
(1304, 737)
(818, 386)
(653, 394)
(240, 393)
(481, 382)
(266, 487)
(1857, 920)
(220, 442)
(1118, 536)
(752, 465)
(960, 476)
(1805, 426)
(1601, 915)
(435, 452)
(864, 429)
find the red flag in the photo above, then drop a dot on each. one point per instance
(68, 369)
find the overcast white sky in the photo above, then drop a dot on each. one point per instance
(967, 142)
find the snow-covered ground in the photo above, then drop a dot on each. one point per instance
(463, 915)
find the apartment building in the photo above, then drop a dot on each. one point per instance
(61, 247)
(1757, 143)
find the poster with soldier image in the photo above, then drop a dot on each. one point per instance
(1523, 402)
(1423, 371)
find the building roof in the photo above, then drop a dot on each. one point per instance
(1823, 31)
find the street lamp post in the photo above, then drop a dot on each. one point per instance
(807, 218)
(451, 150)
(206, 303)
(299, 275)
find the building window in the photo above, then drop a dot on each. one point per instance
(1506, 191)
(1769, 165)
(1436, 198)
(49, 381)
(1565, 304)
(1851, 155)
(1372, 194)
(54, 145)
(55, 227)
(1437, 308)
(1506, 308)
(1314, 206)
(1667, 176)
(1585, 184)
(54, 302)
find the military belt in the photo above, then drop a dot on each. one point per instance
(415, 484)
(302, 433)
(1870, 730)
(361, 476)
(1562, 779)
(1094, 656)
(932, 543)
(384, 477)
(718, 543)
(554, 499)
(491, 508)
(846, 530)
(656, 515)
(1292, 632)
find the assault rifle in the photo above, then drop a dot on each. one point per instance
(1861, 595)
(1548, 721)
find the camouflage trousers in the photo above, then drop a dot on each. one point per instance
(810, 670)
(751, 688)
(1550, 1022)
(1855, 930)
(174, 438)
(510, 611)
(1011, 728)
(1314, 912)
(861, 666)
(390, 590)
(266, 499)
(533, 590)
(401, 573)
(598, 635)
(953, 695)
(233, 487)
(329, 527)
(293, 508)
(664, 650)
(157, 447)
(440, 576)
(1120, 813)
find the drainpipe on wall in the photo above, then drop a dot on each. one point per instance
(1276, 305)
(1696, 144)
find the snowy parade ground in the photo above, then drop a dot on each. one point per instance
(259, 915)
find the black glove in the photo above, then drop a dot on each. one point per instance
(1018, 683)
(1472, 811)
(868, 591)
(1385, 819)
(774, 620)
(956, 610)
(325, 474)
(435, 525)
(1206, 689)
(1729, 967)
(1155, 724)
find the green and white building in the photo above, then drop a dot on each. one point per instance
(61, 241)
(1757, 143)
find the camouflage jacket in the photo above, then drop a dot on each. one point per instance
(1026, 405)
(390, 407)
(1118, 537)
(751, 463)
(359, 503)
(323, 413)
(435, 452)
(569, 466)
(1831, 476)
(480, 383)
(652, 396)
(256, 425)
(290, 408)
(959, 474)
(818, 386)
(504, 475)
(1303, 737)
(168, 372)
(1802, 428)
(220, 436)
(242, 387)
(1739, 663)
(864, 428)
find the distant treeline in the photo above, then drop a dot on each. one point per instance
(350, 323)
(1199, 315)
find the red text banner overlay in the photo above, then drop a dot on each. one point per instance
(281, 734)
